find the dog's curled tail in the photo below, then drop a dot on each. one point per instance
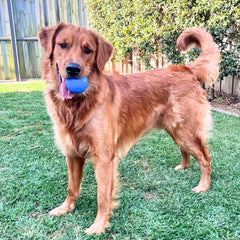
(206, 66)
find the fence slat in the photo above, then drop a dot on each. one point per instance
(2, 73)
(79, 11)
(57, 11)
(4, 61)
(69, 11)
(11, 62)
(45, 12)
(13, 40)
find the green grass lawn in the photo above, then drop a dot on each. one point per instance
(156, 202)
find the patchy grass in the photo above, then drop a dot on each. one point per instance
(156, 202)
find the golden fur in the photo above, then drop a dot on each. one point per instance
(106, 120)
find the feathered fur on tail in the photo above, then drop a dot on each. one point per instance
(206, 66)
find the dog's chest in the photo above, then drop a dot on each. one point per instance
(63, 140)
(72, 143)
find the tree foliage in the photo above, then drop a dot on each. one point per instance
(152, 27)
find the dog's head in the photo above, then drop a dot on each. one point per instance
(72, 52)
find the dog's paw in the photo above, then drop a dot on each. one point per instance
(63, 209)
(200, 188)
(180, 167)
(96, 228)
(93, 229)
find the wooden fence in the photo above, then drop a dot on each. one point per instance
(20, 21)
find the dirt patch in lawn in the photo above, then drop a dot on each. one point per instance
(226, 104)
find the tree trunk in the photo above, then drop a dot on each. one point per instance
(232, 84)
(126, 62)
(212, 92)
(131, 61)
(157, 60)
(113, 66)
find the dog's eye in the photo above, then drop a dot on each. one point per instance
(87, 50)
(63, 45)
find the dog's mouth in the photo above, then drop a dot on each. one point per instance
(63, 88)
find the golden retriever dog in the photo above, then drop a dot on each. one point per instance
(104, 121)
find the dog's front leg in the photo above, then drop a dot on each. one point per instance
(75, 172)
(104, 177)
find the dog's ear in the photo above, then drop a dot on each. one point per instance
(104, 51)
(47, 37)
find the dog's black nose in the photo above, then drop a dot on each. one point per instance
(73, 69)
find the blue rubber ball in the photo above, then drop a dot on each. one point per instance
(77, 85)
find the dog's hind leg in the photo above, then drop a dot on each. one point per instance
(185, 160)
(75, 173)
(192, 144)
(195, 145)
(185, 155)
(200, 153)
